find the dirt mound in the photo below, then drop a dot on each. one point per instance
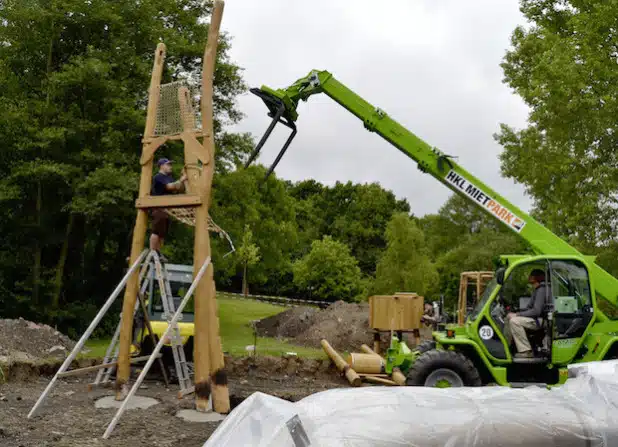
(344, 325)
(24, 340)
(288, 324)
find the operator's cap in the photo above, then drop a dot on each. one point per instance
(163, 161)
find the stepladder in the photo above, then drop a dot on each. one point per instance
(154, 291)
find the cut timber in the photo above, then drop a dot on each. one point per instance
(168, 201)
(76, 372)
(398, 377)
(380, 380)
(366, 363)
(210, 376)
(400, 312)
(367, 350)
(341, 365)
(139, 233)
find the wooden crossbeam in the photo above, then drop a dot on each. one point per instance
(168, 201)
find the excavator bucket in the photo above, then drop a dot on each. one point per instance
(280, 113)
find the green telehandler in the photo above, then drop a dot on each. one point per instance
(580, 324)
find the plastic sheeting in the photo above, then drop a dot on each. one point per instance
(582, 412)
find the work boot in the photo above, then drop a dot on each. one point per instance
(524, 355)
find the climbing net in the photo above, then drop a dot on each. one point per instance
(171, 115)
(187, 217)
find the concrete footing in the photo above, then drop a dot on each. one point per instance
(136, 402)
(198, 416)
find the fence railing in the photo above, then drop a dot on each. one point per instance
(277, 300)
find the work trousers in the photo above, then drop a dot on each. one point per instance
(515, 329)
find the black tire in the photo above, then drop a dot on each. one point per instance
(450, 364)
(425, 346)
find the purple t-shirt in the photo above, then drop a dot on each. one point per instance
(158, 184)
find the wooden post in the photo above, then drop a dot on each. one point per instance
(380, 380)
(398, 377)
(208, 352)
(376, 342)
(139, 232)
(341, 364)
(478, 287)
(367, 350)
(463, 294)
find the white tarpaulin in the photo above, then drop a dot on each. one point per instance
(582, 412)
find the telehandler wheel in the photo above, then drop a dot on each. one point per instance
(425, 346)
(443, 369)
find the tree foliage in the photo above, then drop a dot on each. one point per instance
(329, 271)
(405, 265)
(74, 78)
(563, 65)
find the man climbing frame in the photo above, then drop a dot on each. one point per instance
(528, 318)
(163, 183)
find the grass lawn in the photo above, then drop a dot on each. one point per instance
(235, 318)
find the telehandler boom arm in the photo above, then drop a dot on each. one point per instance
(282, 104)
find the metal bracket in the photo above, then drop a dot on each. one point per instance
(277, 111)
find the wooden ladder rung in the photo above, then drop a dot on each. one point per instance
(169, 201)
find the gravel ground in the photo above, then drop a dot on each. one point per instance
(69, 418)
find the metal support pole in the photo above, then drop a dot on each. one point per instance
(80, 344)
(156, 350)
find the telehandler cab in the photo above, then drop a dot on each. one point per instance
(579, 326)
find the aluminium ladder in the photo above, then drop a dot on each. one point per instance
(155, 270)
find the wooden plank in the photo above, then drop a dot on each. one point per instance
(168, 201)
(400, 312)
(77, 372)
(195, 133)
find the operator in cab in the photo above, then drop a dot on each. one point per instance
(528, 318)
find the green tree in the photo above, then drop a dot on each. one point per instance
(356, 214)
(474, 252)
(74, 79)
(405, 265)
(248, 254)
(563, 65)
(329, 272)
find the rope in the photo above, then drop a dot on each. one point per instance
(187, 217)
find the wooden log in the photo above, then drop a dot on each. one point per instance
(376, 342)
(208, 353)
(398, 377)
(372, 375)
(139, 234)
(367, 350)
(366, 363)
(77, 372)
(380, 380)
(341, 365)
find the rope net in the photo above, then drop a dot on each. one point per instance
(171, 116)
(187, 217)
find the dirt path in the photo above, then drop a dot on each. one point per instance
(69, 418)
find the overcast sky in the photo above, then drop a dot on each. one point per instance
(432, 65)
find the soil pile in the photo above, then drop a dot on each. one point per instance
(24, 340)
(344, 325)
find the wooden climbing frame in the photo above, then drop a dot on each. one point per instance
(171, 116)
